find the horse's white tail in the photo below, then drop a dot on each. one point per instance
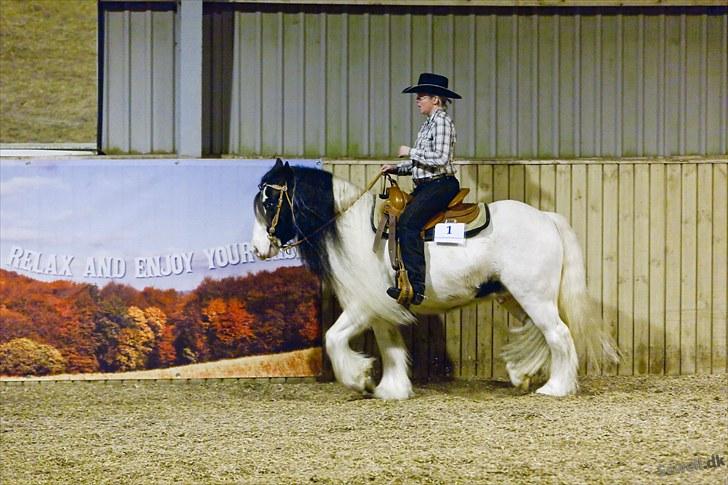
(579, 310)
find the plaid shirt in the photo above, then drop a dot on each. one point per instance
(433, 151)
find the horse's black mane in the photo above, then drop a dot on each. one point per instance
(313, 206)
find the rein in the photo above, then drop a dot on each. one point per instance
(276, 217)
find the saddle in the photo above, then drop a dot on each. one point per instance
(475, 216)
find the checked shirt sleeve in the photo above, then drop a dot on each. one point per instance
(405, 168)
(435, 151)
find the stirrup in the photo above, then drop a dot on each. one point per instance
(406, 292)
(394, 293)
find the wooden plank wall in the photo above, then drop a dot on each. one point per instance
(655, 240)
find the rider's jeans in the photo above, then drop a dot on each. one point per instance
(428, 199)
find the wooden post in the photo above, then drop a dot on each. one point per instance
(189, 79)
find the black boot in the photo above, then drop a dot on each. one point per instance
(416, 299)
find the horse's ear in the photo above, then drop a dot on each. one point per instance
(288, 171)
(279, 164)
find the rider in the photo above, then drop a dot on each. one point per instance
(433, 175)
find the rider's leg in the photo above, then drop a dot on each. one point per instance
(428, 199)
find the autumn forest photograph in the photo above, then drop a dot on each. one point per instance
(63, 327)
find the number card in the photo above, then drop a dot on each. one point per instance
(450, 233)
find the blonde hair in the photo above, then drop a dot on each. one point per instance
(443, 101)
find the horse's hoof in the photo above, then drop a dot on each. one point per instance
(393, 395)
(549, 389)
(518, 380)
(525, 384)
(360, 381)
(369, 385)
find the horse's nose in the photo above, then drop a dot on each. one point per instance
(256, 252)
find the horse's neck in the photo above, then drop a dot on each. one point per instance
(360, 276)
(345, 194)
(353, 209)
(353, 229)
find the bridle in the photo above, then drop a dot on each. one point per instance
(284, 190)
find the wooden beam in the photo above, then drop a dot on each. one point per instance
(466, 3)
(489, 3)
(189, 79)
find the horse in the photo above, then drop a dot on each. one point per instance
(529, 260)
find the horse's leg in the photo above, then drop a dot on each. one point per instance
(564, 362)
(395, 383)
(351, 368)
(527, 351)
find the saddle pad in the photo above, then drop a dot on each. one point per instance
(471, 229)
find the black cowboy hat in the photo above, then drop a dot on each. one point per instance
(434, 84)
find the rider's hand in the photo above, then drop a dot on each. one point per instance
(404, 151)
(389, 169)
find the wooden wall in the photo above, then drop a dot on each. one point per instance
(655, 241)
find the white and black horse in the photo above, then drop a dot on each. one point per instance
(529, 259)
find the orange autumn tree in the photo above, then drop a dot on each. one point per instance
(74, 331)
(229, 327)
(308, 320)
(190, 331)
(165, 354)
(14, 324)
(58, 313)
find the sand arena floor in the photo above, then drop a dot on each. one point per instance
(617, 430)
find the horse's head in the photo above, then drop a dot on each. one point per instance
(273, 225)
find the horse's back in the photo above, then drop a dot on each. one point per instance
(512, 215)
(513, 225)
(521, 232)
(514, 206)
